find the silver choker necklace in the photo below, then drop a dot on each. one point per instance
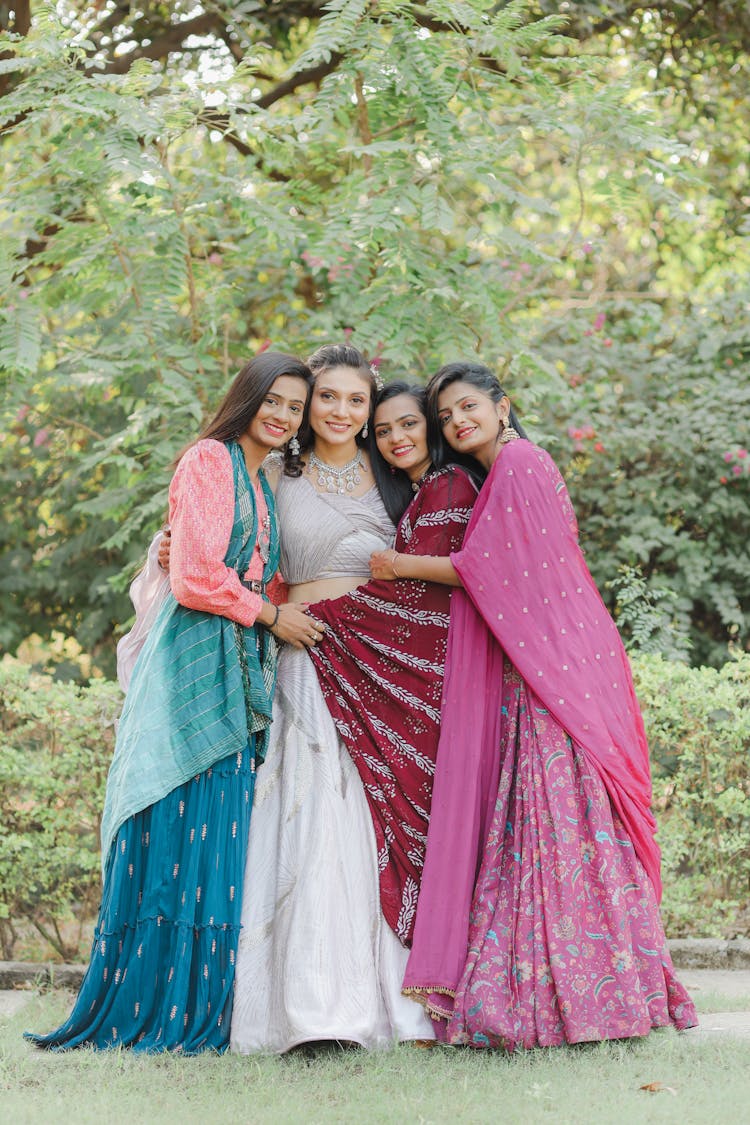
(331, 478)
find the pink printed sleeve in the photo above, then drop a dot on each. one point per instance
(201, 514)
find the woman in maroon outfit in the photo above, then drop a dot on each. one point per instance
(380, 663)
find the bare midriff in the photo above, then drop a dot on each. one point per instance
(323, 588)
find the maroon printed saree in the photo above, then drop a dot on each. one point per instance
(380, 667)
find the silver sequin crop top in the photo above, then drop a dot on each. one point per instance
(328, 535)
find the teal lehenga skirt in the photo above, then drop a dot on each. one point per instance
(161, 975)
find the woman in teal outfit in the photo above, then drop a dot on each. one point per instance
(194, 723)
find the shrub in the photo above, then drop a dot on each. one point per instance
(649, 426)
(56, 742)
(698, 723)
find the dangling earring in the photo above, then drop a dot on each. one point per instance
(293, 446)
(507, 433)
(364, 430)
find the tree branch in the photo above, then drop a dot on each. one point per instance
(19, 25)
(171, 40)
(289, 85)
(220, 122)
(21, 21)
(363, 120)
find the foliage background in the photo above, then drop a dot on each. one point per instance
(557, 188)
(560, 189)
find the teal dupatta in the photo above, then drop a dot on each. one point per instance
(202, 685)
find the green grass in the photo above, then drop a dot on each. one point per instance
(718, 1001)
(598, 1083)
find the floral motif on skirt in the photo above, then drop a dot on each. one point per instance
(566, 942)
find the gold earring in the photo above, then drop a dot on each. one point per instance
(508, 433)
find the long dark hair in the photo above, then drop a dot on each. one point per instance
(249, 387)
(477, 375)
(394, 486)
(322, 360)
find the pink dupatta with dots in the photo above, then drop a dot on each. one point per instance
(527, 594)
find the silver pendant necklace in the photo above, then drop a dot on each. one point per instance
(264, 539)
(331, 478)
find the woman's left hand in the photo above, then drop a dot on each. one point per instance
(382, 565)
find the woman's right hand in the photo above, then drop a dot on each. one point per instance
(296, 627)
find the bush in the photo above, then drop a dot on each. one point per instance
(56, 742)
(648, 425)
(698, 723)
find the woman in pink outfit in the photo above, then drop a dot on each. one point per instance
(538, 921)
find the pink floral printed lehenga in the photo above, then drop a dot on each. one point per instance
(538, 921)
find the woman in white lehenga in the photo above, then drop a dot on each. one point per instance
(316, 959)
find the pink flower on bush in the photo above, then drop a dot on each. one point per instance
(607, 343)
(599, 322)
(22, 412)
(728, 456)
(722, 480)
(312, 260)
(579, 434)
(599, 448)
(215, 258)
(377, 358)
(41, 437)
(736, 469)
(742, 453)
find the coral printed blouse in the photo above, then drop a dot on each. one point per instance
(201, 515)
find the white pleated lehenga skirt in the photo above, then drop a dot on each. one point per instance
(316, 959)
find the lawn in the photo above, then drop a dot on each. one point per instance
(705, 1081)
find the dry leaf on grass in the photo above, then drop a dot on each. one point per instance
(658, 1088)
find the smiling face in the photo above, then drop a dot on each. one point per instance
(279, 415)
(340, 406)
(401, 435)
(471, 421)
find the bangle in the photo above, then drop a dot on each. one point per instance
(393, 565)
(273, 624)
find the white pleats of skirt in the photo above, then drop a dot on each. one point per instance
(316, 959)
